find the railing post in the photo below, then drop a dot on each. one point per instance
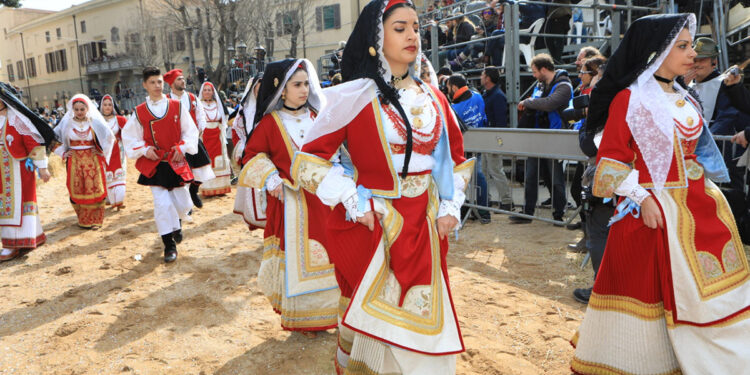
(435, 47)
(512, 62)
(615, 39)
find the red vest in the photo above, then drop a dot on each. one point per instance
(161, 133)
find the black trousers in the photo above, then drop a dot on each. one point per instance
(597, 218)
(552, 173)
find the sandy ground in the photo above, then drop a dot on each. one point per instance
(82, 304)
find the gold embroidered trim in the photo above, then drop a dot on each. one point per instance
(38, 153)
(255, 173)
(609, 175)
(627, 305)
(465, 170)
(711, 279)
(309, 170)
(591, 368)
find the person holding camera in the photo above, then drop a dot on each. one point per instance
(725, 119)
(468, 106)
(595, 211)
(542, 111)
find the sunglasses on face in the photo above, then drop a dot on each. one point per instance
(588, 72)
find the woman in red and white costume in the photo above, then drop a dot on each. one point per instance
(397, 195)
(248, 202)
(86, 146)
(214, 138)
(117, 164)
(22, 139)
(295, 274)
(672, 294)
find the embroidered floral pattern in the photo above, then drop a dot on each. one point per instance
(710, 265)
(417, 300)
(310, 171)
(609, 175)
(318, 254)
(415, 185)
(730, 258)
(694, 170)
(256, 171)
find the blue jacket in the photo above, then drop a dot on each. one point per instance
(469, 108)
(496, 107)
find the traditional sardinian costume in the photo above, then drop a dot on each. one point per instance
(248, 202)
(87, 146)
(405, 161)
(22, 150)
(115, 171)
(671, 300)
(295, 273)
(166, 126)
(214, 139)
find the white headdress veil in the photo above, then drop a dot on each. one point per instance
(104, 135)
(217, 99)
(650, 121)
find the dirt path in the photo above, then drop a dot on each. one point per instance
(82, 304)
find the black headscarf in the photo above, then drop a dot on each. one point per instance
(114, 103)
(645, 40)
(273, 79)
(358, 62)
(239, 112)
(9, 96)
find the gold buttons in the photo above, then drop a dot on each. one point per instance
(690, 121)
(418, 123)
(681, 103)
(416, 111)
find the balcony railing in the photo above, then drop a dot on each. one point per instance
(112, 65)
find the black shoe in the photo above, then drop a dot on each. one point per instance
(575, 226)
(582, 295)
(194, 196)
(579, 247)
(485, 220)
(177, 235)
(558, 218)
(234, 180)
(506, 206)
(546, 203)
(519, 220)
(170, 248)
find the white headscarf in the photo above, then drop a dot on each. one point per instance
(103, 133)
(650, 122)
(315, 98)
(23, 125)
(217, 99)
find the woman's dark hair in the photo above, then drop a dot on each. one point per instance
(150, 71)
(390, 10)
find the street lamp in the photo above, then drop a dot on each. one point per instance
(242, 48)
(260, 57)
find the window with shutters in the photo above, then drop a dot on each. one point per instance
(152, 45)
(179, 40)
(19, 68)
(58, 31)
(115, 35)
(46, 36)
(31, 67)
(197, 39)
(285, 23)
(328, 17)
(11, 74)
(83, 27)
(49, 59)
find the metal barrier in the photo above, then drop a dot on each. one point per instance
(514, 145)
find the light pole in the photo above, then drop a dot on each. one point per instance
(260, 58)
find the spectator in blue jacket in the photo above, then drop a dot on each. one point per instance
(469, 108)
(496, 108)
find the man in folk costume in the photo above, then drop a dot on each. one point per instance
(214, 138)
(672, 295)
(199, 161)
(248, 202)
(295, 273)
(396, 196)
(22, 149)
(117, 164)
(86, 146)
(158, 135)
